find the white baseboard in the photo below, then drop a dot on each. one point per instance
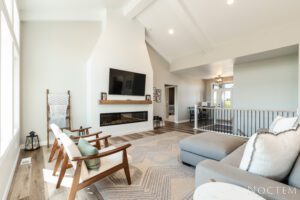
(182, 121)
(11, 176)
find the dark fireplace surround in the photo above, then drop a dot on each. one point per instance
(110, 119)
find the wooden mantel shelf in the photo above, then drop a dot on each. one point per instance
(124, 102)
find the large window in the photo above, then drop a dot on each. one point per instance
(16, 88)
(6, 84)
(221, 95)
(9, 7)
(16, 22)
(9, 74)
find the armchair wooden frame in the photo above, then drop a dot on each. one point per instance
(56, 147)
(76, 185)
(60, 148)
(97, 145)
(85, 131)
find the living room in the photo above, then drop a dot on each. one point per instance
(149, 99)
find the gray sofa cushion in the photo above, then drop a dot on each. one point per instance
(211, 145)
(269, 189)
(294, 178)
(190, 158)
(234, 159)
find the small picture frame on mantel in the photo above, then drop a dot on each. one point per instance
(103, 96)
(148, 97)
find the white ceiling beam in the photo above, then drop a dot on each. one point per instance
(135, 7)
(190, 23)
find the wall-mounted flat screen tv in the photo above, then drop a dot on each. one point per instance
(126, 83)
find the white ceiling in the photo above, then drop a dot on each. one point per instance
(66, 9)
(69, 4)
(222, 68)
(200, 26)
(225, 68)
(221, 22)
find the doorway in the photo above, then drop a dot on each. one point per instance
(171, 108)
(222, 95)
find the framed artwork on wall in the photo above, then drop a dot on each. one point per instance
(103, 96)
(156, 95)
(148, 97)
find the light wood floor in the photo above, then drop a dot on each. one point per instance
(28, 182)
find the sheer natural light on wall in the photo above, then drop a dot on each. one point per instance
(6, 84)
(9, 74)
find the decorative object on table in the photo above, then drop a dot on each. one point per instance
(58, 111)
(157, 122)
(157, 95)
(148, 97)
(103, 96)
(32, 142)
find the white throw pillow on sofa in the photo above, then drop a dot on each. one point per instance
(281, 124)
(271, 155)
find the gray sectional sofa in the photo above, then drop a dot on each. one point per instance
(218, 156)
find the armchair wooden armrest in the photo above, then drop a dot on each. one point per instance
(101, 138)
(102, 154)
(86, 136)
(81, 129)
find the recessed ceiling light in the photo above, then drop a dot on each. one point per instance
(171, 31)
(230, 2)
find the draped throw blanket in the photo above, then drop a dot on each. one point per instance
(58, 104)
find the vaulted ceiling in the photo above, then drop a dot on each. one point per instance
(208, 35)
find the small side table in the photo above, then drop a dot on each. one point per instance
(224, 191)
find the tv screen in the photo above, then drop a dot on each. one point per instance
(126, 83)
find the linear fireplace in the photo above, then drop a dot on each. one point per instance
(110, 119)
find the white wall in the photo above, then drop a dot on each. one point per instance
(189, 92)
(54, 56)
(122, 46)
(267, 84)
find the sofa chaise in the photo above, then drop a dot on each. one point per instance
(218, 156)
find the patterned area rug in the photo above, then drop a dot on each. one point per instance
(156, 174)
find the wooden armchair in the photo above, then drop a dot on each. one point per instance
(58, 146)
(112, 159)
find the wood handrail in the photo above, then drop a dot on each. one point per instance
(102, 154)
(241, 109)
